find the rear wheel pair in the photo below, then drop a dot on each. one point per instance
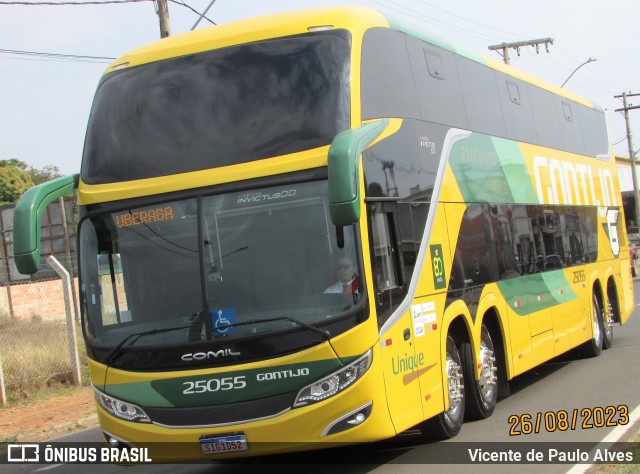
(468, 398)
(602, 328)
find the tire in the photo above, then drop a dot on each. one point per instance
(481, 394)
(446, 425)
(593, 347)
(609, 316)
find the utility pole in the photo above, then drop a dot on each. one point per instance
(162, 10)
(632, 156)
(519, 44)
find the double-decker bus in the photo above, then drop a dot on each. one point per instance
(328, 226)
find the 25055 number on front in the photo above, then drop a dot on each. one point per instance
(215, 385)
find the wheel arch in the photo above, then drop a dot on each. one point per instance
(613, 297)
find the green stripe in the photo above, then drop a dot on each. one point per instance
(257, 385)
(537, 292)
(492, 170)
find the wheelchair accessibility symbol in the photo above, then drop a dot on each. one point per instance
(223, 320)
(437, 265)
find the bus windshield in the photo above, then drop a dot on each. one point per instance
(253, 273)
(216, 108)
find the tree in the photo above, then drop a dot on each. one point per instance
(15, 163)
(17, 176)
(47, 173)
(14, 181)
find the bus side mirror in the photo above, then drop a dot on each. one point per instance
(27, 217)
(344, 159)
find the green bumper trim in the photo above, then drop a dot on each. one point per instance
(227, 387)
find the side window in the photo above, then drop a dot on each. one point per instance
(545, 117)
(386, 259)
(516, 107)
(405, 164)
(486, 251)
(576, 239)
(387, 83)
(437, 84)
(594, 131)
(481, 100)
(476, 254)
(523, 240)
(501, 234)
(570, 126)
(589, 233)
(547, 230)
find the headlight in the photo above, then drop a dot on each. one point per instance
(334, 383)
(123, 410)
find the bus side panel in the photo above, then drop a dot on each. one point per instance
(428, 310)
(399, 361)
(577, 309)
(625, 290)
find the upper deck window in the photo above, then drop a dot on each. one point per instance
(218, 108)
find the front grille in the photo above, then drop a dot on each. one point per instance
(221, 414)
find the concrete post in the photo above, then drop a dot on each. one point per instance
(71, 326)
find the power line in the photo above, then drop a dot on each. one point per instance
(502, 32)
(203, 15)
(54, 55)
(105, 2)
(56, 4)
(413, 13)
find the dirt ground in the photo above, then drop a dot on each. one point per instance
(63, 412)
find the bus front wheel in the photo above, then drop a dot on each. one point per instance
(447, 424)
(482, 394)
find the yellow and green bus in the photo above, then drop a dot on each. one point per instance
(327, 226)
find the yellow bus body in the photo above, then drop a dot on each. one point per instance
(407, 381)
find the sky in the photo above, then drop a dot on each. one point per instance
(45, 101)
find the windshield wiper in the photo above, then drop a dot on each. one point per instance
(117, 351)
(323, 332)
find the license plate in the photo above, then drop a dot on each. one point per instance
(224, 444)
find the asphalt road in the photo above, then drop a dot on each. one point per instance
(571, 384)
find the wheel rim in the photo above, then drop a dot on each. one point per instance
(455, 381)
(608, 323)
(597, 327)
(488, 375)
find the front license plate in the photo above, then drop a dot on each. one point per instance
(224, 444)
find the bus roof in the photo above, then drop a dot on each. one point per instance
(356, 19)
(352, 18)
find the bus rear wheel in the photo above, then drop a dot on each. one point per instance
(482, 394)
(447, 424)
(610, 315)
(593, 347)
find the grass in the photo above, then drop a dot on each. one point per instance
(35, 356)
(631, 468)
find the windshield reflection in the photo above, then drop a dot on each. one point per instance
(266, 263)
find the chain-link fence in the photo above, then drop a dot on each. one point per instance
(38, 331)
(34, 354)
(39, 313)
